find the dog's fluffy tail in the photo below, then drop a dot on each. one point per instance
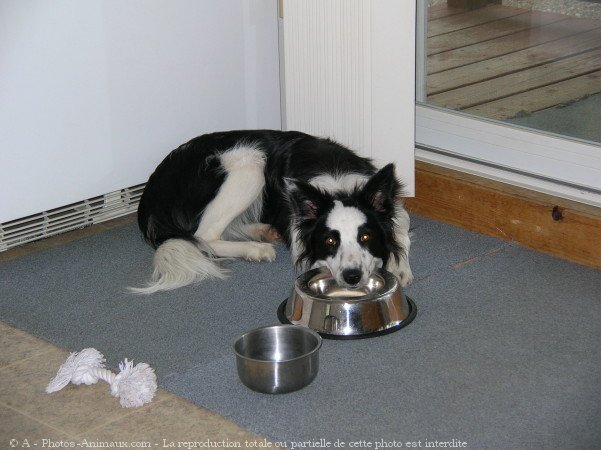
(180, 262)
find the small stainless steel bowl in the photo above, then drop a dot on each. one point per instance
(277, 359)
(319, 303)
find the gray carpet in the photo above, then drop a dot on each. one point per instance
(504, 352)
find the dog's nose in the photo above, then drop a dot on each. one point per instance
(351, 276)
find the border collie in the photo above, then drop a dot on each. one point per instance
(232, 194)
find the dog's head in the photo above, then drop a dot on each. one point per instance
(350, 233)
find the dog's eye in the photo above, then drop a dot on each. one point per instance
(365, 237)
(330, 241)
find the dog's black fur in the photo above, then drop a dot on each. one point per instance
(188, 179)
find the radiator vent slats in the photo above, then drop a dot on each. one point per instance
(70, 217)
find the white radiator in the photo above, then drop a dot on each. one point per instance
(327, 54)
(70, 217)
(349, 73)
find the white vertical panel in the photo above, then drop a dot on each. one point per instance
(393, 86)
(349, 71)
(327, 69)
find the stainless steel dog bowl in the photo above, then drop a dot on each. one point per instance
(319, 303)
(277, 359)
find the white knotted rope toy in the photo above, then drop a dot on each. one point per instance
(134, 385)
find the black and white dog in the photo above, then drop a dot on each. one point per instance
(231, 194)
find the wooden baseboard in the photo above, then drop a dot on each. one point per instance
(549, 224)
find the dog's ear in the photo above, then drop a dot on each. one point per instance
(381, 190)
(307, 202)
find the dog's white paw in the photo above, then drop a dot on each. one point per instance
(406, 277)
(259, 251)
(402, 270)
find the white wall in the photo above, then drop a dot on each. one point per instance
(93, 94)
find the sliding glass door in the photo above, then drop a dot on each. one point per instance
(512, 89)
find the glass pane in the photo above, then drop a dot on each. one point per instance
(533, 63)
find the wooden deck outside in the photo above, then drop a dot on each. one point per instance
(501, 62)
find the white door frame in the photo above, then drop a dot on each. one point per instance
(519, 156)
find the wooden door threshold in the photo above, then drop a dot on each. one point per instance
(542, 222)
